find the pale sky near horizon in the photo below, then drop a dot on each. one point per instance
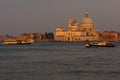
(18, 16)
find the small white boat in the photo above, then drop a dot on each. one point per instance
(99, 44)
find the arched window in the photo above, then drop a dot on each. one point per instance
(87, 34)
(90, 29)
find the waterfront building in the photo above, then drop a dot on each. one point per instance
(2, 37)
(77, 32)
(34, 37)
(110, 36)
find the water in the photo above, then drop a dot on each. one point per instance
(59, 61)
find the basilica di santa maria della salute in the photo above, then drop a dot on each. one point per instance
(78, 32)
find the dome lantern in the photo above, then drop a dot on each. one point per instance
(86, 14)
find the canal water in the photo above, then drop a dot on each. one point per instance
(59, 61)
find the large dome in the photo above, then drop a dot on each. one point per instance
(87, 19)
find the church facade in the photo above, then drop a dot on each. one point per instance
(77, 32)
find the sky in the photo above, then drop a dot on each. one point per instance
(31, 16)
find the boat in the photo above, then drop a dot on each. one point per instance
(15, 42)
(99, 44)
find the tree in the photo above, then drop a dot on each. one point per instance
(49, 35)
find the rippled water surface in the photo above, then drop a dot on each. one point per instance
(59, 61)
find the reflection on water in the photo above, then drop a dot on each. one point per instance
(59, 61)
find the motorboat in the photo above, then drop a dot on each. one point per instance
(14, 42)
(99, 44)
